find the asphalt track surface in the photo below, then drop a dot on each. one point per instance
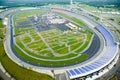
(93, 48)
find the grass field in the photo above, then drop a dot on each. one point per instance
(73, 19)
(2, 30)
(1, 25)
(57, 42)
(19, 73)
(93, 8)
(113, 78)
(50, 63)
(35, 46)
(118, 20)
(24, 14)
(89, 8)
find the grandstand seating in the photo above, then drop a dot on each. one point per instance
(109, 54)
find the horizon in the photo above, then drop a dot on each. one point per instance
(12, 3)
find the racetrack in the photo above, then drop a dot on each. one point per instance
(94, 50)
(91, 49)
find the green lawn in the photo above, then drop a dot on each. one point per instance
(89, 8)
(63, 50)
(2, 30)
(75, 45)
(89, 36)
(51, 63)
(73, 19)
(1, 25)
(52, 41)
(29, 13)
(44, 57)
(118, 20)
(19, 73)
(1, 33)
(26, 39)
(113, 78)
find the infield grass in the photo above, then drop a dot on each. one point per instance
(16, 71)
(73, 19)
(52, 47)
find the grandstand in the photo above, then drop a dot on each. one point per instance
(109, 58)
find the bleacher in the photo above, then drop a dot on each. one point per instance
(109, 54)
